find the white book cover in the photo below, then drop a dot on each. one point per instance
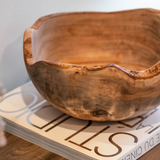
(29, 116)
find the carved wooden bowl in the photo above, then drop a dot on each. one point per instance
(96, 66)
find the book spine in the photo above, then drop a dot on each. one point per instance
(143, 147)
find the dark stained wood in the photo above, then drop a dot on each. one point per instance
(153, 154)
(19, 149)
(97, 66)
(55, 157)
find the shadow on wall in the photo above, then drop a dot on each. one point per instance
(12, 68)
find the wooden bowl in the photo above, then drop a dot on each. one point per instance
(96, 66)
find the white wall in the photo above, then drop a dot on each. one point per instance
(17, 15)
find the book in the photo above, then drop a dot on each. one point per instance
(32, 118)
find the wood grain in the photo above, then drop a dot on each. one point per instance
(153, 154)
(18, 149)
(97, 66)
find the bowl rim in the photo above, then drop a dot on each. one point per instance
(29, 61)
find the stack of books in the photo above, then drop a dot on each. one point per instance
(32, 118)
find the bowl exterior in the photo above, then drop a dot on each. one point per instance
(103, 95)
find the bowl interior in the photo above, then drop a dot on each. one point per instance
(130, 39)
